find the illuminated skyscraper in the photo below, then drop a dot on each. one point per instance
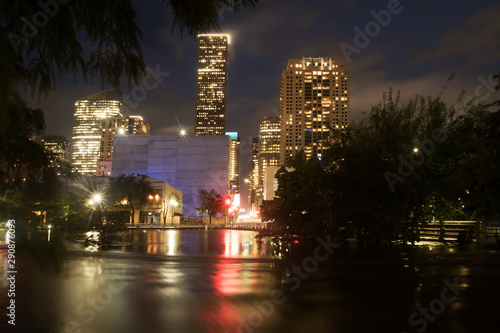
(126, 125)
(87, 128)
(58, 147)
(211, 84)
(254, 175)
(119, 125)
(234, 162)
(269, 150)
(314, 97)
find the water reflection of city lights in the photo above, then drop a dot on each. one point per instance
(92, 241)
(172, 236)
(231, 243)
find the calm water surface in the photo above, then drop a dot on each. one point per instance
(225, 281)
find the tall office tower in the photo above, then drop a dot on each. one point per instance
(58, 147)
(314, 97)
(254, 176)
(87, 128)
(234, 163)
(211, 84)
(269, 150)
(119, 125)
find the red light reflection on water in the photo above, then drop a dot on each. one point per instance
(232, 243)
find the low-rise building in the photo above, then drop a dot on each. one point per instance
(186, 163)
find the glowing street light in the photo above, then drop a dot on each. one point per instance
(173, 204)
(182, 132)
(121, 131)
(95, 200)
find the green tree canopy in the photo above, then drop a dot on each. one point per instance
(129, 192)
(211, 203)
(302, 203)
(204, 15)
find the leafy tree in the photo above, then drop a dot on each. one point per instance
(302, 202)
(381, 177)
(477, 180)
(98, 39)
(38, 42)
(130, 192)
(391, 165)
(77, 216)
(21, 158)
(203, 15)
(211, 203)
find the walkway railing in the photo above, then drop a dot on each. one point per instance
(450, 231)
(236, 225)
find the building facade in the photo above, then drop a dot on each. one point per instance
(163, 206)
(314, 98)
(87, 128)
(268, 151)
(104, 168)
(59, 148)
(211, 84)
(234, 163)
(188, 164)
(112, 126)
(254, 176)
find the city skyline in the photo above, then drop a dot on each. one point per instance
(394, 54)
(363, 135)
(260, 58)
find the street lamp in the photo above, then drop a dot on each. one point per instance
(229, 202)
(96, 199)
(173, 204)
(182, 132)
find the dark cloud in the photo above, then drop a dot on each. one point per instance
(474, 41)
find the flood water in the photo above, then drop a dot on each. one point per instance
(222, 281)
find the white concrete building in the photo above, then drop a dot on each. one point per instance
(187, 164)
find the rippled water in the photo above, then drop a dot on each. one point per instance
(225, 281)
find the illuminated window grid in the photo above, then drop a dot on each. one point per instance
(314, 96)
(211, 84)
(87, 128)
(268, 149)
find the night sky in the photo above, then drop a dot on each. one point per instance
(424, 42)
